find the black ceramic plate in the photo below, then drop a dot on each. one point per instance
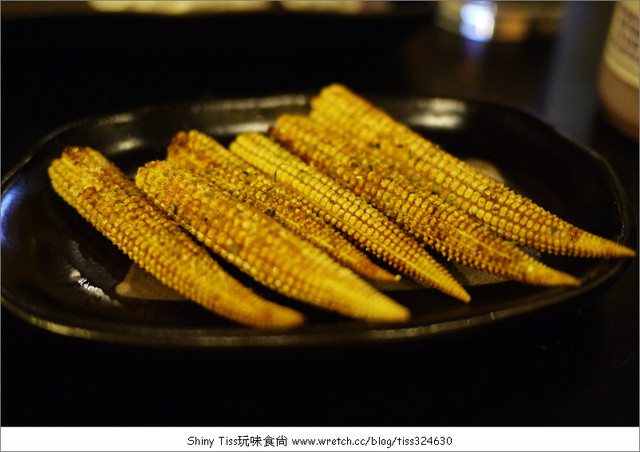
(60, 274)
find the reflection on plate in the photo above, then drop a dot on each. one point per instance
(62, 275)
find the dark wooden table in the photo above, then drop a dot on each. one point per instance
(574, 364)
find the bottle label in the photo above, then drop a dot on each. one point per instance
(621, 49)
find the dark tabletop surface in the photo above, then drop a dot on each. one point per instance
(573, 364)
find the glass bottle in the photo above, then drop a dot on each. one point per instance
(618, 76)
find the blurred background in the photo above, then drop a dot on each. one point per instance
(91, 57)
(572, 365)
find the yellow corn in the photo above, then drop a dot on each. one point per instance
(348, 212)
(261, 247)
(110, 201)
(510, 215)
(204, 155)
(419, 212)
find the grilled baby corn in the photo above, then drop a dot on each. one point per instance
(267, 251)
(510, 215)
(348, 212)
(205, 156)
(419, 212)
(110, 201)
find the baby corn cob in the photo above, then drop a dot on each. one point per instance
(349, 213)
(110, 201)
(258, 245)
(419, 212)
(205, 156)
(510, 215)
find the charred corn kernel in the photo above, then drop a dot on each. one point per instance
(110, 201)
(258, 245)
(419, 212)
(205, 156)
(339, 207)
(424, 161)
